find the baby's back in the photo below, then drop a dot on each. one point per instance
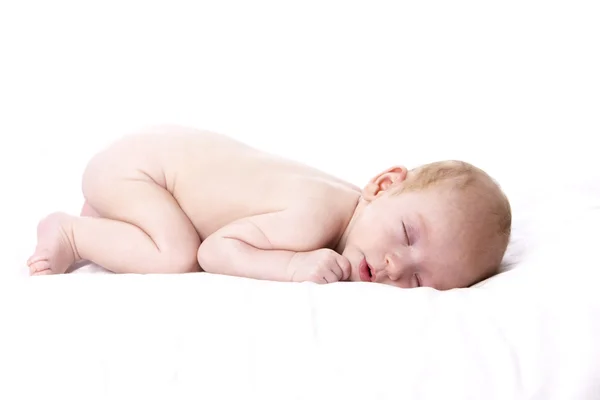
(217, 180)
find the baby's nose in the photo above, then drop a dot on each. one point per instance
(394, 267)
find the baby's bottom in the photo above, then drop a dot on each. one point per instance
(129, 224)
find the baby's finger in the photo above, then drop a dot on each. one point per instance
(337, 270)
(330, 276)
(345, 268)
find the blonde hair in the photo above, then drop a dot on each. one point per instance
(463, 176)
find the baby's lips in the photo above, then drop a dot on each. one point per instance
(364, 271)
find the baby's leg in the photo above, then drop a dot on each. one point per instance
(139, 227)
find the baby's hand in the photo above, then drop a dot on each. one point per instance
(319, 266)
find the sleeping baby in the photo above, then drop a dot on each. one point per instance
(175, 200)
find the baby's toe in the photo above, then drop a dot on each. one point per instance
(38, 256)
(40, 268)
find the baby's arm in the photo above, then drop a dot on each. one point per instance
(261, 247)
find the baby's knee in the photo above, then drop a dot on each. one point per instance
(178, 261)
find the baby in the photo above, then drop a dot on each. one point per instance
(174, 200)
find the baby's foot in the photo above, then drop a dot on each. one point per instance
(54, 252)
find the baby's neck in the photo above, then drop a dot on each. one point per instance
(341, 244)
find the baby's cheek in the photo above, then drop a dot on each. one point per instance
(352, 253)
(372, 237)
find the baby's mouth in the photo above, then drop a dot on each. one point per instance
(364, 271)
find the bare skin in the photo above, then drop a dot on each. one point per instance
(177, 200)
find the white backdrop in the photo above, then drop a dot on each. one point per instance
(351, 87)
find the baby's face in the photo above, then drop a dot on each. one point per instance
(420, 238)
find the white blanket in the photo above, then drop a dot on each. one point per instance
(529, 333)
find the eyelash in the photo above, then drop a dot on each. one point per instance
(418, 280)
(405, 233)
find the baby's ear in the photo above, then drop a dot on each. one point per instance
(380, 183)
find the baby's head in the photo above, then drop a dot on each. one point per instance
(443, 225)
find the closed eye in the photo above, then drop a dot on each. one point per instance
(405, 233)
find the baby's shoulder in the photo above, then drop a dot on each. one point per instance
(316, 220)
(328, 204)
